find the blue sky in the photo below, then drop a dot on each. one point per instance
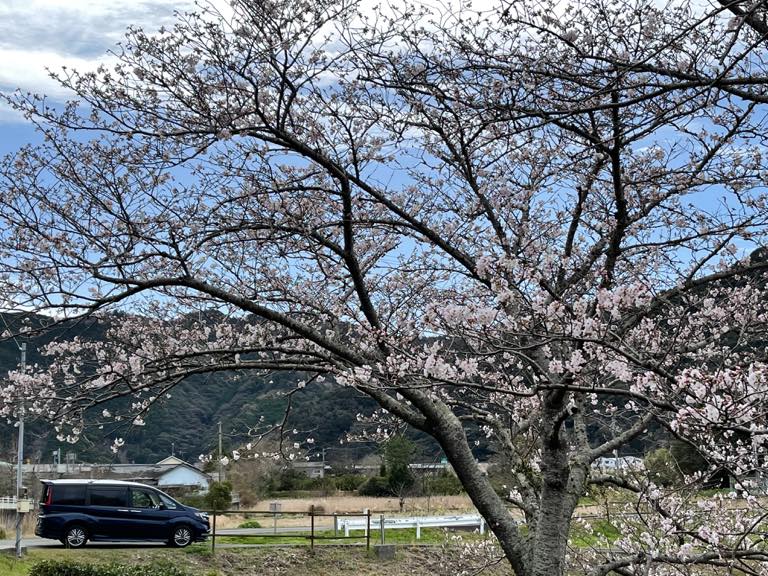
(40, 34)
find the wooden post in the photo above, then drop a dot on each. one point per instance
(213, 536)
(335, 524)
(312, 528)
(368, 529)
(381, 528)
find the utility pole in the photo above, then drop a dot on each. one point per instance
(221, 466)
(20, 454)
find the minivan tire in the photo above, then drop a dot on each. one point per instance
(75, 536)
(182, 536)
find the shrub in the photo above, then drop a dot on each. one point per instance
(248, 498)
(445, 483)
(375, 486)
(219, 496)
(349, 482)
(194, 500)
(71, 568)
(662, 467)
(250, 524)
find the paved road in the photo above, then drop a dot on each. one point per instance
(47, 543)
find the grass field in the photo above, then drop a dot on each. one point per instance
(356, 537)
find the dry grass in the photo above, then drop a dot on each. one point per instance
(346, 505)
(8, 524)
(353, 504)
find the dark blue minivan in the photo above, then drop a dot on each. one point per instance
(75, 511)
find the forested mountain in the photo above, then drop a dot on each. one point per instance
(187, 422)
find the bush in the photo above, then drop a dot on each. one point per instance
(248, 498)
(70, 568)
(290, 480)
(250, 524)
(219, 496)
(194, 500)
(375, 486)
(662, 467)
(349, 482)
(445, 484)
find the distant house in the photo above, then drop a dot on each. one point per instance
(169, 473)
(619, 463)
(310, 469)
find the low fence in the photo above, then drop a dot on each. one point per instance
(312, 533)
(337, 526)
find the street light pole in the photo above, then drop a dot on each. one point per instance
(20, 455)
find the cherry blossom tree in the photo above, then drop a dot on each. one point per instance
(542, 219)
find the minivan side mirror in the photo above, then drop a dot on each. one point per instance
(162, 506)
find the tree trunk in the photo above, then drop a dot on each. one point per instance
(551, 536)
(450, 434)
(558, 498)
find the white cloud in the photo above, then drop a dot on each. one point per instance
(27, 70)
(41, 35)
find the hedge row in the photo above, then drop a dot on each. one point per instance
(70, 568)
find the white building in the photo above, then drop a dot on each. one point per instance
(169, 473)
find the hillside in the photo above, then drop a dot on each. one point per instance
(188, 422)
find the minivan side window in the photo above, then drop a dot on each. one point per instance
(144, 499)
(68, 495)
(108, 496)
(170, 504)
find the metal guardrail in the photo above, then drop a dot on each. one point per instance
(418, 522)
(10, 503)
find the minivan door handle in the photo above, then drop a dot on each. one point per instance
(136, 511)
(122, 510)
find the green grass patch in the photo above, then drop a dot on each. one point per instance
(599, 532)
(250, 524)
(12, 566)
(392, 536)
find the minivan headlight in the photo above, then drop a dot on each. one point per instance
(203, 515)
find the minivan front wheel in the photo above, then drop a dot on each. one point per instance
(182, 536)
(75, 536)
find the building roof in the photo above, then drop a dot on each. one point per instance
(172, 460)
(145, 473)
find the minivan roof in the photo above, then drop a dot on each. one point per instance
(96, 482)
